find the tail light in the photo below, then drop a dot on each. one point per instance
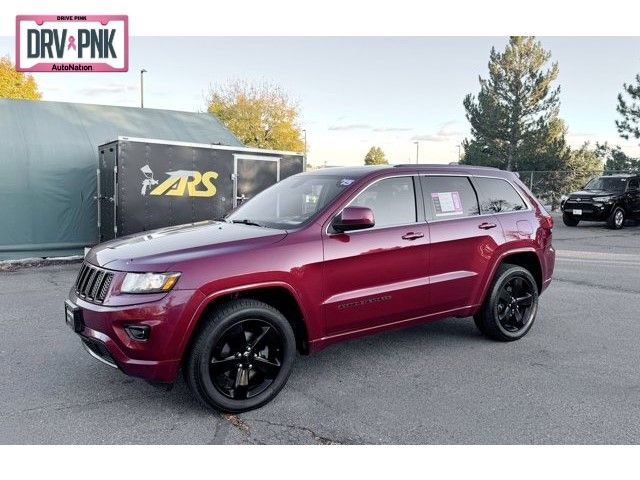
(546, 222)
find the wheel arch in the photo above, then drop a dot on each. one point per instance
(279, 295)
(528, 260)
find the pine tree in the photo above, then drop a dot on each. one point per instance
(514, 119)
(629, 108)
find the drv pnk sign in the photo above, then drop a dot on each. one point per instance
(72, 43)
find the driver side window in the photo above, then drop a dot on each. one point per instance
(392, 201)
(633, 185)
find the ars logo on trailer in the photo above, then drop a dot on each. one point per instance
(72, 43)
(179, 183)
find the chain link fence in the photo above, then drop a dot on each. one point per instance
(549, 185)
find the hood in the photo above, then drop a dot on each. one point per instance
(157, 250)
(592, 193)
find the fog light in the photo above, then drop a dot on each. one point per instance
(140, 333)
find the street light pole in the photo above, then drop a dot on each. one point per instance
(304, 132)
(142, 72)
(417, 151)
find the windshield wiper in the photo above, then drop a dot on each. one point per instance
(246, 221)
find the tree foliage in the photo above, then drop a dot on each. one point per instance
(375, 156)
(629, 108)
(615, 159)
(514, 118)
(261, 115)
(14, 84)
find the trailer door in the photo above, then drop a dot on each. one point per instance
(252, 174)
(106, 198)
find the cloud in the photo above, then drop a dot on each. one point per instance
(445, 133)
(392, 129)
(108, 89)
(355, 126)
(363, 126)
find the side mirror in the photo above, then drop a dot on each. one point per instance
(353, 218)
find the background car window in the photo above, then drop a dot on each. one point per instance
(449, 197)
(392, 201)
(497, 195)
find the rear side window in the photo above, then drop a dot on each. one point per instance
(449, 197)
(392, 201)
(497, 196)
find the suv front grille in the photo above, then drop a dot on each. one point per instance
(93, 283)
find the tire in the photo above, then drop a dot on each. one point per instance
(616, 219)
(570, 220)
(240, 379)
(501, 319)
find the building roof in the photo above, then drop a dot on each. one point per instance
(49, 156)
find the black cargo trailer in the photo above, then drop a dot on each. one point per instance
(147, 183)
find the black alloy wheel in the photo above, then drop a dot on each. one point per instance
(511, 304)
(616, 219)
(514, 308)
(246, 359)
(241, 356)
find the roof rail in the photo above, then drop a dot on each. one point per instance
(442, 165)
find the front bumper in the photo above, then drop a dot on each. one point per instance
(592, 211)
(157, 358)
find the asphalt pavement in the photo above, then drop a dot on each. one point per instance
(573, 379)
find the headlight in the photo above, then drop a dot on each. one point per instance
(602, 199)
(564, 198)
(149, 282)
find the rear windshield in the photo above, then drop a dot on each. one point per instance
(609, 184)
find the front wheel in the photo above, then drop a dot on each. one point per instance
(242, 356)
(511, 304)
(616, 219)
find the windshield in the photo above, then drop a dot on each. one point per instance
(291, 202)
(609, 184)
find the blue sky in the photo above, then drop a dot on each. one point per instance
(355, 92)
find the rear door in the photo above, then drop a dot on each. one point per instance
(105, 192)
(254, 173)
(462, 241)
(378, 275)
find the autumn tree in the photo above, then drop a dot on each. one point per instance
(261, 115)
(629, 108)
(514, 118)
(375, 156)
(14, 84)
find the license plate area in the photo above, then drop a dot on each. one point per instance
(73, 316)
(577, 211)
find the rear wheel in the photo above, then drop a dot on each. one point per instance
(570, 220)
(511, 304)
(616, 219)
(242, 357)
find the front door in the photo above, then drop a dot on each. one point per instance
(254, 173)
(378, 275)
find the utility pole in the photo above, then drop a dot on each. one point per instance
(417, 151)
(142, 72)
(304, 132)
(459, 153)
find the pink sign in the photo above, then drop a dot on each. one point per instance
(72, 43)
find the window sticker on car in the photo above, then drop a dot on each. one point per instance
(345, 182)
(447, 203)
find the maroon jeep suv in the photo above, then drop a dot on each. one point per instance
(318, 258)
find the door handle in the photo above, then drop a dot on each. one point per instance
(487, 225)
(412, 236)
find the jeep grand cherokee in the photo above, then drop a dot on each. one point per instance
(318, 258)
